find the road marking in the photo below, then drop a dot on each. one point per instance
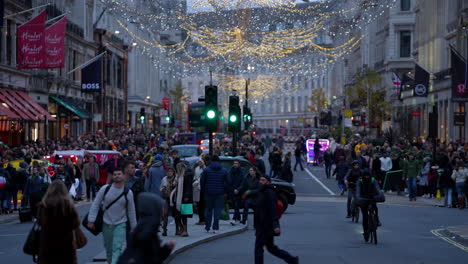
(437, 233)
(319, 182)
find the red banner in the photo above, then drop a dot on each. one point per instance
(55, 44)
(166, 103)
(31, 38)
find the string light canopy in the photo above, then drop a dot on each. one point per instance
(282, 37)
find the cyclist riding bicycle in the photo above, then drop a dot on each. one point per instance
(368, 192)
(350, 180)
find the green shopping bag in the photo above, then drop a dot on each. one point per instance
(186, 209)
(225, 212)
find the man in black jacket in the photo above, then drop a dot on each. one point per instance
(266, 224)
(367, 192)
(236, 177)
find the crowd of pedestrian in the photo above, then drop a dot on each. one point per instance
(417, 168)
(146, 164)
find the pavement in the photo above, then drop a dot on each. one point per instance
(197, 236)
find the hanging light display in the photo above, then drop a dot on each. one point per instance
(283, 38)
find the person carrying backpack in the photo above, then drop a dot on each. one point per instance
(115, 218)
(266, 223)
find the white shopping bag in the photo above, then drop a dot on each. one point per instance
(73, 188)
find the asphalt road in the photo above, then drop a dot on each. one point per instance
(316, 230)
(13, 236)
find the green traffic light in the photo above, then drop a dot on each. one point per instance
(168, 118)
(211, 114)
(233, 118)
(142, 118)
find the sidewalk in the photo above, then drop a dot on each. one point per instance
(197, 236)
(393, 198)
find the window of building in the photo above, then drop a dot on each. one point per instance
(405, 5)
(405, 44)
(9, 42)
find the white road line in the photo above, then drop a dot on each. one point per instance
(319, 182)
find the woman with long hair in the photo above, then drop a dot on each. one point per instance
(58, 219)
(182, 194)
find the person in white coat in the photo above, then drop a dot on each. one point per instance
(385, 165)
(197, 192)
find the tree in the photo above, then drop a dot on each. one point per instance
(179, 99)
(367, 93)
(318, 101)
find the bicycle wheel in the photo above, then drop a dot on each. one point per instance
(374, 236)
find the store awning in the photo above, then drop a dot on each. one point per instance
(19, 105)
(75, 110)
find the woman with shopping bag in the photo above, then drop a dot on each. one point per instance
(182, 198)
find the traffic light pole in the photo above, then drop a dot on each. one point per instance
(234, 143)
(210, 139)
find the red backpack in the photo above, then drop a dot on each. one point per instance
(279, 208)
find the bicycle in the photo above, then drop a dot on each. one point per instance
(354, 208)
(373, 223)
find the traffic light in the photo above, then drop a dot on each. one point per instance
(247, 117)
(211, 107)
(167, 118)
(234, 119)
(142, 115)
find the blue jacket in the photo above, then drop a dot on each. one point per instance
(214, 179)
(156, 174)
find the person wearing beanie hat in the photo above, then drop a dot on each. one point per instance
(266, 224)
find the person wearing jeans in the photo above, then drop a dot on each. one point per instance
(411, 182)
(213, 207)
(214, 182)
(411, 170)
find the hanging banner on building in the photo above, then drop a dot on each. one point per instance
(459, 73)
(31, 41)
(91, 77)
(55, 44)
(421, 81)
(166, 103)
(396, 83)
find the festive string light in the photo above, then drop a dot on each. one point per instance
(278, 36)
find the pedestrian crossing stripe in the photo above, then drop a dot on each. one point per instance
(437, 233)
